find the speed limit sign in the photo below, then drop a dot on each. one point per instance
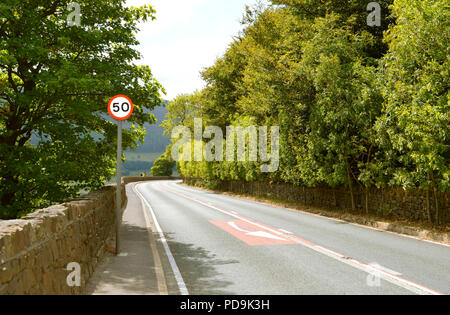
(120, 107)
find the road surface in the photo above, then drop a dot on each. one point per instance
(215, 244)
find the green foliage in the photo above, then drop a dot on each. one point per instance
(163, 166)
(414, 127)
(181, 112)
(357, 105)
(55, 82)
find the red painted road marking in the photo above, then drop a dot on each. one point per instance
(250, 234)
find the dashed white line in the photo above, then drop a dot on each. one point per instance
(379, 267)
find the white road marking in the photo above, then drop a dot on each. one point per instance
(266, 235)
(392, 278)
(287, 232)
(159, 270)
(256, 233)
(379, 267)
(176, 271)
(234, 226)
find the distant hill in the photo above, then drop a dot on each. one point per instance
(155, 141)
(154, 146)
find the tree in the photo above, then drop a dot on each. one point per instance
(356, 104)
(181, 112)
(55, 81)
(414, 128)
(352, 13)
(222, 92)
(163, 165)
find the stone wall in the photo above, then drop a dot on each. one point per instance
(36, 250)
(396, 203)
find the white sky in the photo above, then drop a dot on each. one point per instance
(187, 36)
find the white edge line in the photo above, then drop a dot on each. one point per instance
(379, 267)
(179, 278)
(159, 270)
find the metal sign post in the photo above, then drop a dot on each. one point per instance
(120, 108)
(119, 186)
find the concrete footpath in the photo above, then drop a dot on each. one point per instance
(138, 269)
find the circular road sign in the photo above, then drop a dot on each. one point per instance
(120, 107)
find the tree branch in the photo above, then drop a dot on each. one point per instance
(52, 8)
(11, 80)
(2, 32)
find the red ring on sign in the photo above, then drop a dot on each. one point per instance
(131, 109)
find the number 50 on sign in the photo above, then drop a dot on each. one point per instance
(120, 107)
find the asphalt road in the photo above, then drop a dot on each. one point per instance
(216, 244)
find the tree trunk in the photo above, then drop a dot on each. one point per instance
(367, 199)
(304, 195)
(438, 217)
(437, 214)
(350, 184)
(430, 220)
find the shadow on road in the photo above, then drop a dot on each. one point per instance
(199, 268)
(134, 273)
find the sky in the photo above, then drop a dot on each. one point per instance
(187, 36)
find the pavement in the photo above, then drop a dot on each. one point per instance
(182, 240)
(137, 270)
